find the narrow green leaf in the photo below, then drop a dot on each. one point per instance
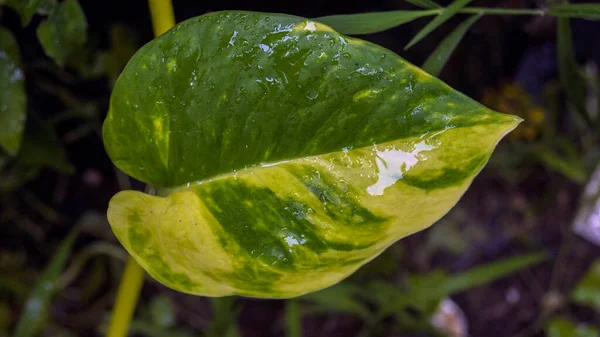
(342, 297)
(293, 319)
(436, 61)
(25, 8)
(13, 100)
(444, 16)
(570, 78)
(580, 10)
(563, 327)
(485, 274)
(39, 300)
(424, 3)
(587, 290)
(224, 319)
(64, 31)
(367, 23)
(42, 148)
(571, 168)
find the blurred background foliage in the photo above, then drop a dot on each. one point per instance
(518, 256)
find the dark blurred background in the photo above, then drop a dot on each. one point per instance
(526, 200)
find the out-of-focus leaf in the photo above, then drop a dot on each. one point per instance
(437, 288)
(6, 317)
(342, 297)
(367, 23)
(224, 320)
(45, 7)
(149, 330)
(485, 274)
(12, 94)
(588, 214)
(587, 290)
(581, 10)
(444, 16)
(293, 318)
(436, 61)
(39, 300)
(571, 168)
(162, 311)
(16, 176)
(424, 3)
(570, 77)
(123, 44)
(562, 327)
(42, 148)
(25, 8)
(64, 31)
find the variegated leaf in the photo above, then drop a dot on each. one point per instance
(285, 155)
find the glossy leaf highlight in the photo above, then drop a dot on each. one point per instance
(285, 155)
(13, 100)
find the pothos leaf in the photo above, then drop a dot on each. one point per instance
(12, 94)
(286, 155)
(64, 31)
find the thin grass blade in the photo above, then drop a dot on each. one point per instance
(424, 3)
(570, 77)
(368, 23)
(444, 16)
(39, 300)
(582, 11)
(436, 61)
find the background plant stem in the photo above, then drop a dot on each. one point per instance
(163, 19)
(127, 295)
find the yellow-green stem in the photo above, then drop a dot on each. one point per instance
(163, 19)
(127, 295)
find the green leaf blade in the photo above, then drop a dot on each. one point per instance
(436, 61)
(444, 16)
(64, 31)
(563, 327)
(587, 290)
(25, 8)
(425, 3)
(568, 70)
(580, 10)
(368, 23)
(39, 300)
(12, 94)
(281, 152)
